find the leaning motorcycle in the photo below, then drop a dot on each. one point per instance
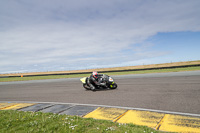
(105, 79)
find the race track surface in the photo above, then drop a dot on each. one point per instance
(177, 92)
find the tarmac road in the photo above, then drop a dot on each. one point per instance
(176, 92)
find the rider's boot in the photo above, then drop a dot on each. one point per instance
(92, 87)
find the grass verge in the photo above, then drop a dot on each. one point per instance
(110, 73)
(17, 121)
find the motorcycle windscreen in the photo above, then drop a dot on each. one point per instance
(83, 80)
(110, 79)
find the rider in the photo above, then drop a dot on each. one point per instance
(95, 79)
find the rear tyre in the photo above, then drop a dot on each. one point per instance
(86, 87)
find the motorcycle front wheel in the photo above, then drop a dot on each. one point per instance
(113, 86)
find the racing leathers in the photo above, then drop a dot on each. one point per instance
(93, 82)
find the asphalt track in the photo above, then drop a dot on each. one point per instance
(175, 92)
(165, 101)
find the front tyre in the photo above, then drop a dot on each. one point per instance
(113, 86)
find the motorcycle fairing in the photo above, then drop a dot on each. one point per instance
(110, 79)
(83, 80)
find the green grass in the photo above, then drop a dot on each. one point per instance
(28, 122)
(157, 71)
(42, 77)
(85, 75)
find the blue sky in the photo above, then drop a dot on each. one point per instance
(57, 35)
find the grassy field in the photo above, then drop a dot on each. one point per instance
(85, 75)
(28, 122)
(172, 64)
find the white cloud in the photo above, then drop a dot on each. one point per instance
(91, 32)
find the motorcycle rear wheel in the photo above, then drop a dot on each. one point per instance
(86, 87)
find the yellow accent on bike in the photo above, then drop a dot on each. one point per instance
(83, 80)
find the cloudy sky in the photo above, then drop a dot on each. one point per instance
(56, 35)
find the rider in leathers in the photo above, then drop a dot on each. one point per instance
(95, 79)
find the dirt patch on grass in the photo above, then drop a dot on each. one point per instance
(110, 69)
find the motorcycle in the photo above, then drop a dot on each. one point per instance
(105, 79)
